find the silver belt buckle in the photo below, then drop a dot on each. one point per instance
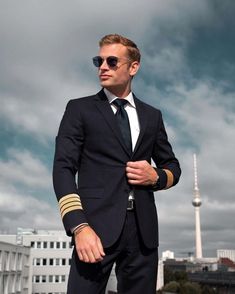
(130, 204)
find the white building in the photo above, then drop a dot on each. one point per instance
(168, 255)
(14, 269)
(229, 253)
(49, 256)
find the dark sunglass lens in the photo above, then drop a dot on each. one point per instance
(97, 61)
(112, 61)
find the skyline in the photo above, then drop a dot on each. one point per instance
(187, 71)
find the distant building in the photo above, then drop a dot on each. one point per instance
(168, 255)
(229, 253)
(226, 264)
(49, 259)
(222, 282)
(14, 269)
(212, 272)
(181, 266)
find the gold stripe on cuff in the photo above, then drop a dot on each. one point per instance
(72, 208)
(69, 203)
(170, 178)
(72, 203)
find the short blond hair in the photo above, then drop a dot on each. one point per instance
(132, 49)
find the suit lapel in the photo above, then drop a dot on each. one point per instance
(103, 105)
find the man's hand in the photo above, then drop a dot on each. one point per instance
(88, 246)
(141, 173)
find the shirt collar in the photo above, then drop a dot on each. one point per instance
(111, 97)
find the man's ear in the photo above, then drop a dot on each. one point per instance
(134, 67)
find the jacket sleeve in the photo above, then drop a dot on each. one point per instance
(167, 165)
(69, 143)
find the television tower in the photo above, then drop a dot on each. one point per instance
(197, 203)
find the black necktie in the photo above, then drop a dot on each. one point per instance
(123, 121)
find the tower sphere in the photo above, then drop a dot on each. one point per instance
(197, 202)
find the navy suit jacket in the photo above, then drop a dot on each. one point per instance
(89, 168)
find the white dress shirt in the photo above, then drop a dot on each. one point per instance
(131, 112)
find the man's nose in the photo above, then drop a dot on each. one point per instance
(104, 65)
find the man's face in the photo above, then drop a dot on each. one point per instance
(120, 76)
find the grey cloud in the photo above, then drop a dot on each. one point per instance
(23, 210)
(23, 168)
(45, 51)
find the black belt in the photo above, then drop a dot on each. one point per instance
(130, 204)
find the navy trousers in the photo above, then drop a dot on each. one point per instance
(136, 266)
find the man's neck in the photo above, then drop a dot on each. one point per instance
(119, 92)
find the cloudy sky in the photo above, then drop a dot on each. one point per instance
(187, 71)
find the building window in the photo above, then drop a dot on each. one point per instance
(13, 261)
(50, 279)
(44, 245)
(64, 245)
(39, 244)
(51, 245)
(19, 261)
(58, 245)
(57, 279)
(37, 279)
(44, 261)
(51, 261)
(32, 244)
(63, 261)
(57, 261)
(6, 261)
(26, 260)
(63, 278)
(44, 279)
(38, 261)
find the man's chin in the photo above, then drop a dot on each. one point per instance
(105, 84)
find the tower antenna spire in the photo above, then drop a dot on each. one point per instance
(197, 203)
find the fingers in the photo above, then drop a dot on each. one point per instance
(88, 245)
(135, 172)
(140, 173)
(100, 247)
(89, 254)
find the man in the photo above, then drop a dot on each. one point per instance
(110, 210)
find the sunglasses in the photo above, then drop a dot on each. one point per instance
(112, 61)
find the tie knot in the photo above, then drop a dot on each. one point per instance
(120, 102)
